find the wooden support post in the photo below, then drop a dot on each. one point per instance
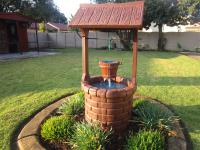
(85, 73)
(134, 65)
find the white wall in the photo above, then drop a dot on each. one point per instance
(187, 40)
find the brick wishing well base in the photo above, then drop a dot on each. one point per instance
(109, 107)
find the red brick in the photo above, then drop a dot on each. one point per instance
(88, 107)
(116, 123)
(101, 93)
(115, 100)
(114, 111)
(92, 103)
(86, 87)
(106, 118)
(93, 91)
(114, 93)
(111, 105)
(87, 96)
(112, 118)
(129, 92)
(92, 115)
(98, 99)
(87, 118)
(99, 110)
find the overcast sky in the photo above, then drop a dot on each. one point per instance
(69, 7)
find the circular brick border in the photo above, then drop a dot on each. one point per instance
(28, 138)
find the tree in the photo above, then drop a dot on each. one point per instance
(58, 17)
(42, 27)
(192, 9)
(41, 10)
(9, 5)
(163, 12)
(159, 12)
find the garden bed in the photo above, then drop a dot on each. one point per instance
(152, 125)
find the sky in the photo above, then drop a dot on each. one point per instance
(69, 7)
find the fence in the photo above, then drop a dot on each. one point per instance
(175, 40)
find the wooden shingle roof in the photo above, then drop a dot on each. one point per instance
(111, 16)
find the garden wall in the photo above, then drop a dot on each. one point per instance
(185, 40)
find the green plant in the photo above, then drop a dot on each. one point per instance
(152, 116)
(74, 105)
(179, 46)
(42, 27)
(59, 128)
(197, 49)
(145, 140)
(89, 137)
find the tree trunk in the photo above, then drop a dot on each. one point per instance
(125, 38)
(160, 37)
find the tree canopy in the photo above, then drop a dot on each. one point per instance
(41, 10)
(169, 12)
(192, 9)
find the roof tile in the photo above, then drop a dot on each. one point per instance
(121, 16)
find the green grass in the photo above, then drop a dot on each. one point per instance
(29, 84)
(73, 106)
(151, 116)
(89, 137)
(57, 129)
(145, 140)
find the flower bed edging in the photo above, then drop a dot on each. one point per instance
(178, 141)
(181, 141)
(28, 139)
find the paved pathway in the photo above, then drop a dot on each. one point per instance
(194, 55)
(25, 55)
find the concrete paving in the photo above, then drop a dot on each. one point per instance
(25, 55)
(195, 55)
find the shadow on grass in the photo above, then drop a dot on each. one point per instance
(167, 81)
(159, 54)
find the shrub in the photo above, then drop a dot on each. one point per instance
(89, 137)
(152, 116)
(57, 128)
(145, 140)
(73, 106)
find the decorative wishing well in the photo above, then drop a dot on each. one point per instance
(108, 98)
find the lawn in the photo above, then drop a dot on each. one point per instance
(28, 85)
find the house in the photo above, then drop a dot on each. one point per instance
(180, 28)
(13, 32)
(59, 27)
(51, 27)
